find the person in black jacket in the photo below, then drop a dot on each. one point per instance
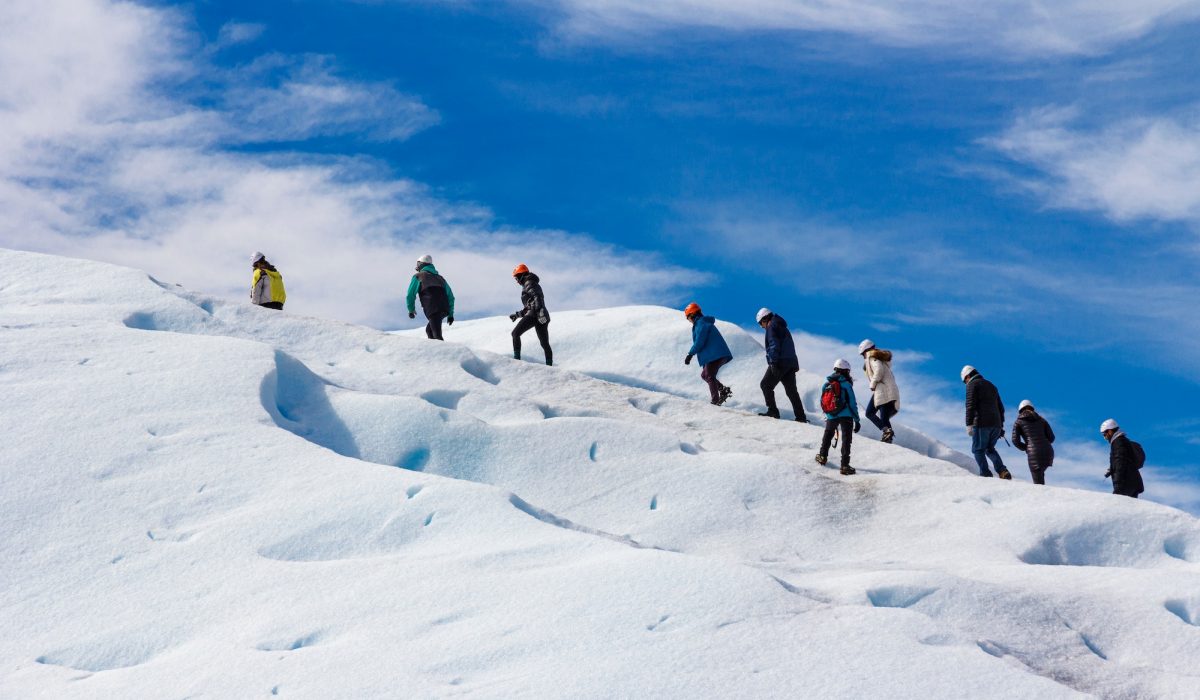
(437, 299)
(985, 421)
(782, 365)
(1032, 435)
(533, 313)
(1125, 460)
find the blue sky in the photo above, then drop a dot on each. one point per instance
(1016, 190)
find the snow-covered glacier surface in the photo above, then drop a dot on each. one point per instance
(206, 499)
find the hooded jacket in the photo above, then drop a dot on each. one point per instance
(267, 285)
(1032, 435)
(850, 410)
(437, 299)
(708, 345)
(781, 348)
(532, 300)
(984, 407)
(1125, 461)
(878, 368)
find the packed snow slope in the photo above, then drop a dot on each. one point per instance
(207, 499)
(644, 346)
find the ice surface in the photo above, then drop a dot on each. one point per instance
(210, 499)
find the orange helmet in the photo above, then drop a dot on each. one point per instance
(520, 269)
(690, 309)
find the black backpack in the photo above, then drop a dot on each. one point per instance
(1139, 453)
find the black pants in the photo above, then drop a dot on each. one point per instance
(1039, 475)
(543, 334)
(277, 305)
(831, 426)
(773, 378)
(881, 416)
(433, 329)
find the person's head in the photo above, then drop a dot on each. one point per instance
(692, 312)
(967, 372)
(1026, 405)
(764, 316)
(842, 367)
(258, 260)
(423, 261)
(1109, 428)
(519, 273)
(866, 346)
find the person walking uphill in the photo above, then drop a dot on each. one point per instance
(1125, 460)
(266, 286)
(437, 299)
(709, 346)
(985, 421)
(841, 413)
(1032, 435)
(885, 395)
(533, 313)
(782, 364)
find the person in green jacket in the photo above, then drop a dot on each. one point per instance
(437, 299)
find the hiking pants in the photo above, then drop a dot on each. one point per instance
(1039, 476)
(709, 375)
(881, 416)
(277, 305)
(983, 444)
(773, 378)
(543, 334)
(433, 329)
(847, 427)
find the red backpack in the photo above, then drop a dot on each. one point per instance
(832, 399)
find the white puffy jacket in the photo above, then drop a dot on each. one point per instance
(878, 368)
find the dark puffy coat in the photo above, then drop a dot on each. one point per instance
(1124, 463)
(1032, 435)
(532, 299)
(984, 407)
(781, 349)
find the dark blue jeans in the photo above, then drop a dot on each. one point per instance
(983, 443)
(881, 416)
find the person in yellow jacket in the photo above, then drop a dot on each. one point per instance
(266, 289)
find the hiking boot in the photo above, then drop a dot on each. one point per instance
(888, 436)
(723, 395)
(802, 419)
(516, 355)
(821, 459)
(770, 413)
(986, 475)
(1006, 474)
(847, 470)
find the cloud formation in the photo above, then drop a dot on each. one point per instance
(120, 141)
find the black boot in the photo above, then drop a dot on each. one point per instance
(888, 436)
(770, 413)
(821, 459)
(847, 470)
(723, 395)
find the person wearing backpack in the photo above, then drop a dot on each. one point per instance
(985, 421)
(782, 365)
(841, 413)
(266, 286)
(1125, 460)
(533, 313)
(437, 299)
(1032, 435)
(885, 395)
(709, 346)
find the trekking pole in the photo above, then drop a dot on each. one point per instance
(835, 439)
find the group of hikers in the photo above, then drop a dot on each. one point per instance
(1031, 432)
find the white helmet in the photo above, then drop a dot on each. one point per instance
(841, 364)
(762, 313)
(256, 257)
(967, 371)
(865, 346)
(425, 260)
(1025, 404)
(1108, 425)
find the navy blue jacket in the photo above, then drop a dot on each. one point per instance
(708, 344)
(781, 349)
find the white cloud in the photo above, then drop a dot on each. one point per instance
(106, 152)
(234, 33)
(1139, 168)
(1012, 28)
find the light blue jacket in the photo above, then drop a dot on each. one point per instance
(850, 410)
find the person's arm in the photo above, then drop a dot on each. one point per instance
(701, 340)
(259, 289)
(1000, 405)
(971, 402)
(411, 299)
(1049, 432)
(449, 297)
(1018, 436)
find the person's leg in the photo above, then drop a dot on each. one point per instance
(827, 438)
(436, 322)
(979, 449)
(1039, 476)
(277, 305)
(709, 375)
(769, 381)
(522, 325)
(886, 413)
(789, 388)
(872, 414)
(543, 334)
(993, 438)
(847, 439)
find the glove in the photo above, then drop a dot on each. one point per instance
(513, 316)
(971, 430)
(450, 321)
(687, 360)
(857, 427)
(1108, 474)
(412, 314)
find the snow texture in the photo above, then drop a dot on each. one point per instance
(208, 499)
